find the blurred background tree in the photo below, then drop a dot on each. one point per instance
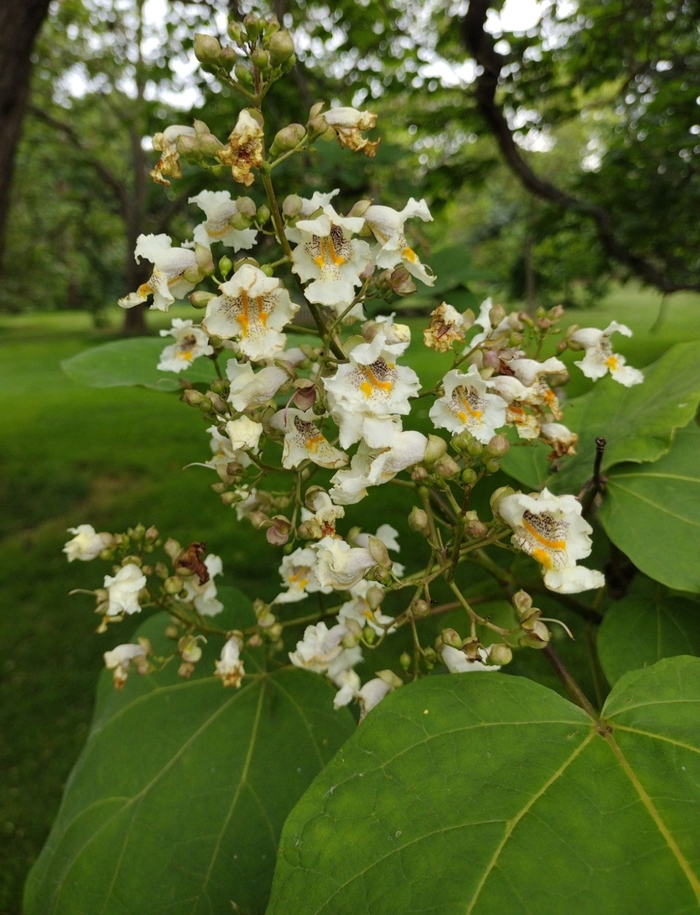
(558, 152)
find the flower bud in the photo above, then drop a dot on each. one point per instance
(419, 474)
(492, 465)
(253, 26)
(173, 585)
(260, 58)
(418, 520)
(207, 49)
(497, 446)
(405, 661)
(451, 637)
(349, 640)
(317, 126)
(522, 603)
(287, 139)
(469, 477)
(446, 467)
(390, 678)
(496, 315)
(419, 608)
(235, 32)
(498, 495)
(243, 74)
(193, 398)
(401, 282)
(378, 552)
(500, 654)
(369, 636)
(292, 205)
(278, 533)
(435, 449)
(281, 48)
(473, 527)
(263, 215)
(201, 299)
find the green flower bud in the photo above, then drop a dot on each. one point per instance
(435, 449)
(419, 608)
(491, 465)
(225, 266)
(369, 635)
(418, 520)
(193, 398)
(349, 640)
(261, 59)
(292, 206)
(287, 139)
(253, 26)
(451, 637)
(446, 467)
(405, 661)
(378, 552)
(497, 446)
(235, 32)
(263, 215)
(281, 48)
(500, 654)
(243, 74)
(317, 126)
(173, 585)
(469, 477)
(207, 49)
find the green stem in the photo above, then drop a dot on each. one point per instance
(571, 685)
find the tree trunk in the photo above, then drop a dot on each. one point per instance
(20, 21)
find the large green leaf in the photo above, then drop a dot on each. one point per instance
(177, 802)
(652, 513)
(488, 793)
(637, 423)
(644, 627)
(125, 363)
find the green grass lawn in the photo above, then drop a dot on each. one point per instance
(112, 458)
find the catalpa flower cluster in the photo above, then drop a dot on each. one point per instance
(329, 409)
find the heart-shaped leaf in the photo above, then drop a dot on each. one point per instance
(652, 513)
(644, 627)
(177, 802)
(125, 363)
(480, 794)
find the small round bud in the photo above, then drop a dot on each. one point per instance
(418, 520)
(500, 654)
(229, 498)
(263, 215)
(243, 74)
(369, 636)
(246, 206)
(173, 585)
(451, 637)
(287, 139)
(292, 206)
(419, 608)
(207, 49)
(253, 26)
(193, 398)
(419, 474)
(469, 477)
(281, 48)
(435, 449)
(491, 465)
(225, 266)
(522, 603)
(349, 640)
(499, 494)
(261, 59)
(235, 32)
(446, 467)
(200, 299)
(497, 446)
(405, 661)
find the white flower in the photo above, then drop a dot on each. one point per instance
(219, 208)
(321, 651)
(387, 227)
(203, 596)
(245, 148)
(119, 659)
(329, 257)
(348, 683)
(490, 330)
(230, 668)
(562, 440)
(253, 389)
(458, 663)
(253, 309)
(320, 516)
(190, 343)
(298, 571)
(551, 530)
(166, 144)
(87, 544)
(303, 441)
(374, 466)
(364, 399)
(468, 405)
(244, 434)
(348, 124)
(123, 590)
(224, 454)
(364, 608)
(600, 359)
(375, 690)
(340, 566)
(529, 371)
(175, 272)
(447, 326)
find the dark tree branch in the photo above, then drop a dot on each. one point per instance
(481, 46)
